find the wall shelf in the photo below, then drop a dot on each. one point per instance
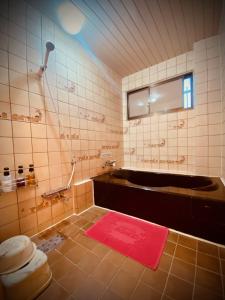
(18, 185)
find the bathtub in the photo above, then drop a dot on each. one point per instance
(191, 204)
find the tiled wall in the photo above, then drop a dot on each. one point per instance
(188, 141)
(222, 43)
(87, 98)
(83, 192)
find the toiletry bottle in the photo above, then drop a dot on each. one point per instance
(6, 181)
(20, 181)
(30, 178)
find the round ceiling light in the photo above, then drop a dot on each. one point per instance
(70, 17)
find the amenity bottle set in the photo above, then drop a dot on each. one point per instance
(9, 184)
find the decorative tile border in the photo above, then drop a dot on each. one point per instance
(92, 116)
(135, 123)
(161, 143)
(89, 157)
(130, 151)
(74, 136)
(180, 160)
(109, 147)
(15, 117)
(180, 124)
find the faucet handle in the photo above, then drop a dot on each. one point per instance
(113, 163)
(109, 163)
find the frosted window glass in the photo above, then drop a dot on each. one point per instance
(187, 84)
(138, 103)
(166, 96)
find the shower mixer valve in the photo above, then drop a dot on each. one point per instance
(109, 163)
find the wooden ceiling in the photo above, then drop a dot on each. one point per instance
(129, 35)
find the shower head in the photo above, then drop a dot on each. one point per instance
(49, 47)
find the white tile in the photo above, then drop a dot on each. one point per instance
(17, 32)
(24, 160)
(38, 130)
(33, 41)
(3, 59)
(40, 159)
(39, 145)
(212, 52)
(22, 145)
(18, 80)
(4, 93)
(17, 48)
(213, 63)
(36, 101)
(34, 56)
(4, 42)
(6, 145)
(20, 110)
(34, 26)
(215, 162)
(215, 140)
(17, 64)
(3, 25)
(181, 59)
(21, 129)
(5, 128)
(214, 118)
(214, 129)
(214, 96)
(4, 76)
(214, 107)
(200, 55)
(212, 41)
(19, 96)
(5, 108)
(7, 160)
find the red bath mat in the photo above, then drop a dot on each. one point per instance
(132, 237)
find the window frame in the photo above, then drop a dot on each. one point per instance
(128, 108)
(178, 109)
(188, 75)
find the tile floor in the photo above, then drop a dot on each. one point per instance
(85, 269)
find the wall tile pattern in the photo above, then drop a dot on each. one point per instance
(192, 138)
(86, 97)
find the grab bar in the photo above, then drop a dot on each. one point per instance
(53, 192)
(64, 188)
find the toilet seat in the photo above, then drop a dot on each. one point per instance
(15, 253)
(27, 282)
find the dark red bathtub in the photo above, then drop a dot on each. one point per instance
(191, 204)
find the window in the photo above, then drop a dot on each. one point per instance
(138, 103)
(188, 91)
(168, 96)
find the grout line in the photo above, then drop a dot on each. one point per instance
(196, 257)
(55, 224)
(169, 271)
(114, 275)
(106, 286)
(12, 137)
(31, 136)
(221, 277)
(138, 281)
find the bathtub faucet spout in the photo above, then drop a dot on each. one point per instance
(109, 163)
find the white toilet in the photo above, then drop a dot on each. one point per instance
(24, 270)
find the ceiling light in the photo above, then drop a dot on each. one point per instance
(70, 17)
